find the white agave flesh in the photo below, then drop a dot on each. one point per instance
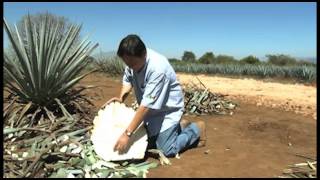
(109, 124)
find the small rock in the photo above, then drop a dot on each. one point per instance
(177, 156)
(289, 144)
(207, 151)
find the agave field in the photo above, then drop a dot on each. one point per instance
(303, 73)
(113, 66)
(48, 118)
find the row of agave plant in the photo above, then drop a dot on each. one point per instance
(304, 73)
(44, 68)
(114, 66)
(111, 65)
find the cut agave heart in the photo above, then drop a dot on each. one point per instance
(108, 125)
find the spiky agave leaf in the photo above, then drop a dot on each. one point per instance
(45, 67)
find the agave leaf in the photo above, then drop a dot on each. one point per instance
(24, 110)
(61, 173)
(44, 67)
(103, 173)
(10, 130)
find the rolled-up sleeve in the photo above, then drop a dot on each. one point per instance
(156, 91)
(127, 77)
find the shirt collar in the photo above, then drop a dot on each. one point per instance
(145, 64)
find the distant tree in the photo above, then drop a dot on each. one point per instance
(188, 56)
(207, 58)
(305, 63)
(52, 21)
(281, 60)
(224, 59)
(250, 60)
(174, 60)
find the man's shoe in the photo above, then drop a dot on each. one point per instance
(203, 137)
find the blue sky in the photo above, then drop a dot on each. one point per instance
(235, 29)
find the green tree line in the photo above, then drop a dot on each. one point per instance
(210, 58)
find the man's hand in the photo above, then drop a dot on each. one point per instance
(111, 100)
(121, 144)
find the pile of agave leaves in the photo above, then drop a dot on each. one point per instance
(61, 148)
(46, 120)
(199, 100)
(307, 169)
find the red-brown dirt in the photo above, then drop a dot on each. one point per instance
(256, 141)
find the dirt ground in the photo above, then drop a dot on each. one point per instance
(256, 141)
(296, 97)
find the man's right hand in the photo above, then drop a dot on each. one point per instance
(111, 100)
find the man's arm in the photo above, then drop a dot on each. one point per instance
(122, 142)
(138, 118)
(126, 88)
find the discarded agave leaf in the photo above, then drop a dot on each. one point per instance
(74, 161)
(76, 150)
(87, 174)
(100, 163)
(63, 138)
(61, 173)
(231, 106)
(70, 175)
(10, 135)
(25, 154)
(103, 173)
(109, 124)
(163, 159)
(75, 171)
(14, 155)
(63, 149)
(72, 146)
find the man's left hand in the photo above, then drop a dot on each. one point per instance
(121, 144)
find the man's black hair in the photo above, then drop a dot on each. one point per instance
(131, 45)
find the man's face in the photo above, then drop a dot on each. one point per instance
(133, 62)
